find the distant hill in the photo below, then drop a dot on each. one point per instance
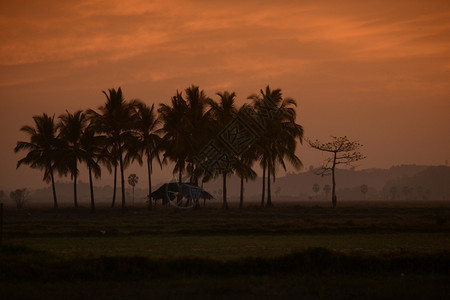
(296, 184)
(431, 183)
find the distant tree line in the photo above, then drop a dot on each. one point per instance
(203, 137)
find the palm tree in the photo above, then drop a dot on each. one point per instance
(133, 180)
(278, 140)
(44, 149)
(70, 128)
(255, 151)
(199, 126)
(184, 130)
(93, 151)
(364, 189)
(222, 113)
(116, 121)
(174, 133)
(316, 189)
(243, 168)
(111, 163)
(149, 141)
(264, 166)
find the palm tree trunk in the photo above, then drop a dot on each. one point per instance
(263, 185)
(204, 199)
(179, 196)
(122, 178)
(149, 168)
(91, 187)
(75, 201)
(269, 196)
(55, 201)
(115, 186)
(224, 191)
(241, 200)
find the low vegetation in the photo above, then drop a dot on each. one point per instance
(246, 253)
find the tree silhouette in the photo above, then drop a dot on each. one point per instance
(279, 135)
(316, 189)
(186, 128)
(343, 151)
(222, 113)
(44, 149)
(243, 168)
(133, 180)
(200, 128)
(393, 191)
(364, 190)
(19, 197)
(116, 121)
(70, 128)
(93, 150)
(149, 142)
(175, 138)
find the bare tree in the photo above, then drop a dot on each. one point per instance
(343, 151)
(19, 196)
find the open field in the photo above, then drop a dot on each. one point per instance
(374, 250)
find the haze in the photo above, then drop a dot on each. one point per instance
(377, 72)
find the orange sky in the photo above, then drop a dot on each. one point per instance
(377, 71)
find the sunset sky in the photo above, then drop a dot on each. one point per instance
(376, 71)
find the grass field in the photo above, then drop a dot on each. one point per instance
(371, 250)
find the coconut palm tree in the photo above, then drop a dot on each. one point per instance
(185, 129)
(93, 150)
(71, 127)
(199, 126)
(243, 168)
(112, 164)
(316, 189)
(44, 149)
(174, 133)
(149, 141)
(278, 139)
(116, 121)
(222, 113)
(364, 189)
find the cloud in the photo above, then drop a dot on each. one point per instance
(161, 41)
(115, 30)
(347, 62)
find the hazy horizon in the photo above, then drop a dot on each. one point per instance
(376, 72)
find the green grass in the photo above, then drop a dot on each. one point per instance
(228, 247)
(318, 252)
